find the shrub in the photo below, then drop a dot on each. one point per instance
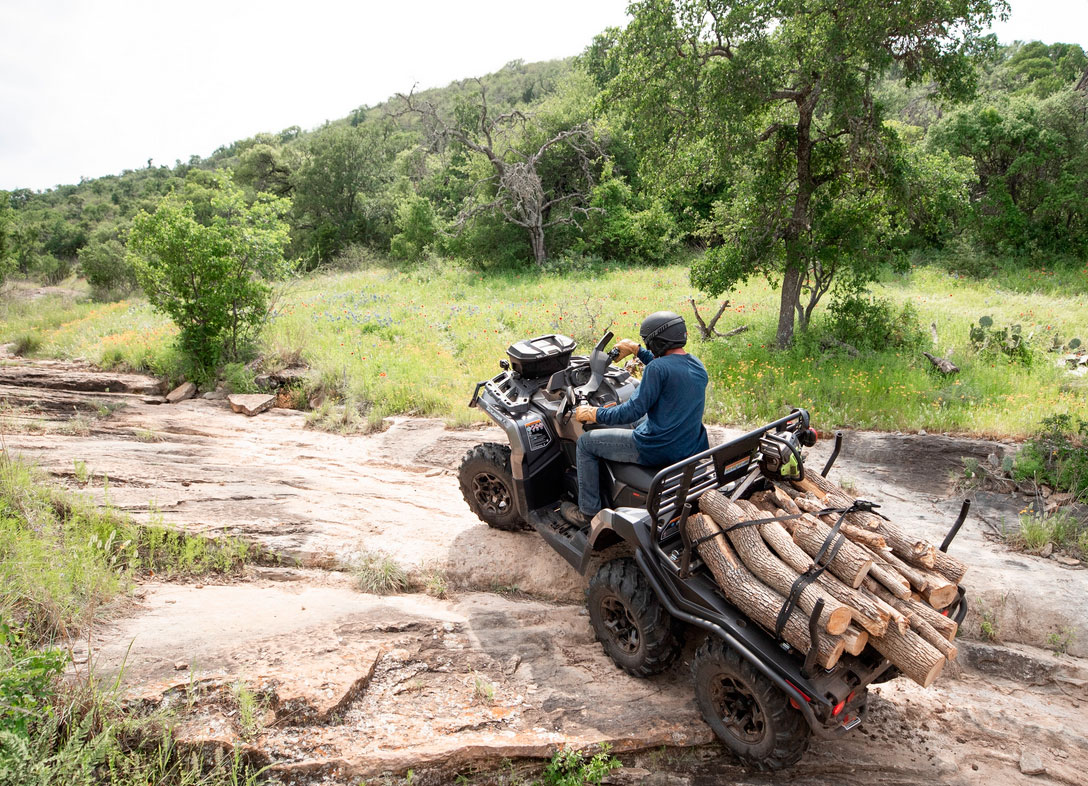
(209, 270)
(620, 228)
(381, 574)
(416, 227)
(869, 322)
(569, 767)
(1057, 455)
(26, 681)
(107, 268)
(239, 379)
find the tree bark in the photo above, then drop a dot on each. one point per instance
(896, 618)
(932, 586)
(912, 655)
(914, 552)
(768, 568)
(755, 599)
(890, 580)
(851, 563)
(865, 537)
(910, 608)
(791, 291)
(536, 239)
(867, 612)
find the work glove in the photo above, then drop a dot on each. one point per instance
(626, 347)
(585, 414)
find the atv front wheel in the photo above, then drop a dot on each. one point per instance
(636, 631)
(747, 712)
(488, 486)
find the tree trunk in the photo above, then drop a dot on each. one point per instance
(867, 613)
(791, 293)
(755, 599)
(935, 588)
(884, 601)
(855, 639)
(748, 543)
(913, 655)
(851, 563)
(536, 239)
(914, 552)
(910, 608)
(873, 540)
(800, 218)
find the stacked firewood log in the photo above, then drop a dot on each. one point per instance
(880, 587)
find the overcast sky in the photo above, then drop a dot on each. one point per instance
(91, 88)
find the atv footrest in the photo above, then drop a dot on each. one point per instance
(565, 538)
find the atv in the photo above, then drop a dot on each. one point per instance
(763, 699)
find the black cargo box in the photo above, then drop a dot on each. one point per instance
(541, 356)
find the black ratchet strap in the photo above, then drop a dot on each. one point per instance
(830, 548)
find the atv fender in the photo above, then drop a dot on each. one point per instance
(609, 527)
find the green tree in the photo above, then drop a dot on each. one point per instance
(417, 229)
(209, 266)
(7, 239)
(534, 176)
(780, 95)
(1031, 159)
(338, 188)
(107, 268)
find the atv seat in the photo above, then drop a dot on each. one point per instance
(637, 476)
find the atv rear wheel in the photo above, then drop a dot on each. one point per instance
(636, 631)
(747, 712)
(488, 486)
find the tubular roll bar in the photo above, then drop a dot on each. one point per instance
(681, 484)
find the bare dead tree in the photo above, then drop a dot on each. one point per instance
(708, 330)
(517, 189)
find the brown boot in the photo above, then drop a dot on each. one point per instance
(574, 516)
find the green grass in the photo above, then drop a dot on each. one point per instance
(380, 574)
(416, 341)
(62, 559)
(1061, 530)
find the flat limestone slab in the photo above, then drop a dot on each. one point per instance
(378, 684)
(251, 403)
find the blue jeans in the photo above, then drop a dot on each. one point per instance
(616, 444)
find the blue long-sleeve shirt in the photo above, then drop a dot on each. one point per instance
(672, 396)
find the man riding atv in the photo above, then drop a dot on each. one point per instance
(667, 407)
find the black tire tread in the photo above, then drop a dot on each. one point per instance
(494, 458)
(657, 629)
(787, 725)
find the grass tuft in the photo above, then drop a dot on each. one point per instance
(380, 574)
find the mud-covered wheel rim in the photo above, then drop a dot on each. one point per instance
(738, 709)
(491, 493)
(621, 625)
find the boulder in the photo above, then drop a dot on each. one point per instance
(251, 403)
(181, 392)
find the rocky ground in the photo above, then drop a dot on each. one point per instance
(324, 682)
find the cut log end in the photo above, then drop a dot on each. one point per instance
(839, 620)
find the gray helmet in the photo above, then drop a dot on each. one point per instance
(662, 331)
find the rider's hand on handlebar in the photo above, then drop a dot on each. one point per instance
(626, 347)
(585, 414)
